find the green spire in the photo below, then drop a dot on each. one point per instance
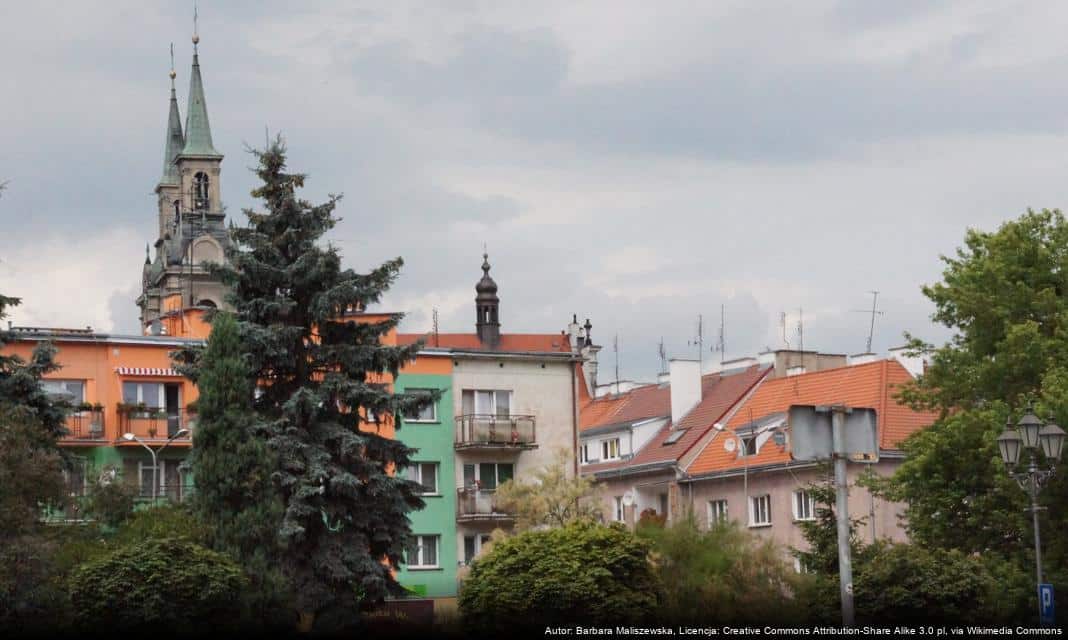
(175, 141)
(197, 129)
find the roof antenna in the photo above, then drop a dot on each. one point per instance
(782, 324)
(721, 344)
(615, 348)
(874, 311)
(662, 352)
(801, 331)
(699, 341)
(435, 327)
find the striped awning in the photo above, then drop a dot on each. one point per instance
(147, 371)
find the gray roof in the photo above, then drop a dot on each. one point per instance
(174, 143)
(197, 128)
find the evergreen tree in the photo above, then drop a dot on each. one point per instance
(20, 384)
(345, 521)
(232, 464)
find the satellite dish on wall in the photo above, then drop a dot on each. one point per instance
(628, 499)
(729, 444)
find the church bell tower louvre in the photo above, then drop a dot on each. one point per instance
(192, 223)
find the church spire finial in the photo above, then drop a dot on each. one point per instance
(174, 141)
(197, 130)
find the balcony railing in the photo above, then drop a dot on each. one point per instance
(85, 425)
(153, 424)
(166, 493)
(476, 430)
(478, 504)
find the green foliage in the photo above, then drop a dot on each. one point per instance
(553, 497)
(908, 583)
(32, 600)
(110, 503)
(30, 472)
(1004, 293)
(581, 573)
(20, 385)
(821, 534)
(166, 584)
(723, 575)
(344, 512)
(236, 501)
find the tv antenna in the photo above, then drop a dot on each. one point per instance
(721, 342)
(615, 349)
(662, 352)
(782, 324)
(434, 316)
(699, 341)
(874, 311)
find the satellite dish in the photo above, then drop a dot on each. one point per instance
(628, 499)
(719, 426)
(729, 444)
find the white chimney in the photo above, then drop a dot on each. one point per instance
(685, 387)
(862, 358)
(915, 365)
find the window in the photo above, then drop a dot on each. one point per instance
(663, 501)
(200, 191)
(674, 437)
(426, 474)
(804, 505)
(487, 476)
(428, 413)
(423, 552)
(145, 478)
(760, 511)
(75, 476)
(618, 510)
(150, 393)
(487, 402)
(610, 449)
(717, 512)
(584, 453)
(70, 390)
(749, 446)
(473, 546)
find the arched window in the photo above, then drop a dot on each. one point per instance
(200, 191)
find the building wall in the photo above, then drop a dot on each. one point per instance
(780, 485)
(434, 442)
(541, 389)
(645, 489)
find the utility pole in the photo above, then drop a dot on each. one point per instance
(841, 492)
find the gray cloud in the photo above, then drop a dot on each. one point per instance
(636, 166)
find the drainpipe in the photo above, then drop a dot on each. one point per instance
(574, 420)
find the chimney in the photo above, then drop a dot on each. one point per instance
(862, 358)
(685, 387)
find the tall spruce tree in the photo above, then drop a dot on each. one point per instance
(20, 383)
(235, 500)
(345, 521)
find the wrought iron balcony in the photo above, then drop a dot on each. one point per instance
(482, 430)
(85, 425)
(474, 505)
(156, 424)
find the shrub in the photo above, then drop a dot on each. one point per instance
(170, 583)
(722, 575)
(582, 573)
(110, 503)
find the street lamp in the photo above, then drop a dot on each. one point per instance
(129, 437)
(1035, 435)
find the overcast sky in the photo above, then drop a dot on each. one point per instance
(636, 163)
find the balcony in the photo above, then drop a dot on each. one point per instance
(151, 424)
(85, 425)
(166, 493)
(488, 431)
(479, 505)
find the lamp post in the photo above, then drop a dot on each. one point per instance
(129, 437)
(1033, 435)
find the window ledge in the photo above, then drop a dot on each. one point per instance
(425, 569)
(431, 495)
(407, 421)
(759, 526)
(796, 520)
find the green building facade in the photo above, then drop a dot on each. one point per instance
(430, 570)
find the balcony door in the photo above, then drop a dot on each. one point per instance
(173, 405)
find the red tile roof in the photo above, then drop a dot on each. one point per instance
(872, 385)
(719, 394)
(512, 342)
(641, 403)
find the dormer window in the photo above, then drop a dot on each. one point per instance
(200, 191)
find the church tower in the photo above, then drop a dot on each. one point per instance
(192, 229)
